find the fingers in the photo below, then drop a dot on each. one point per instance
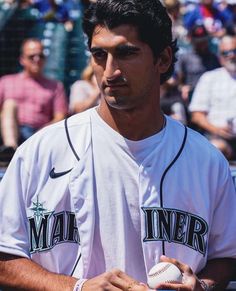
(114, 280)
(183, 267)
(171, 286)
(124, 282)
(189, 279)
(98, 284)
(124, 276)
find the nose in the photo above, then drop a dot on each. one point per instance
(36, 59)
(112, 70)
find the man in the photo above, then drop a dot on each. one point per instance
(194, 62)
(213, 106)
(217, 19)
(28, 98)
(97, 205)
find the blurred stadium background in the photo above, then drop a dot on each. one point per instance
(60, 32)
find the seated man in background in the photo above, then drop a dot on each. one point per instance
(194, 62)
(29, 100)
(213, 105)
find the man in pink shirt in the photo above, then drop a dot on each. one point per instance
(29, 99)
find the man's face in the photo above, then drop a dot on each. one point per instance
(124, 66)
(228, 55)
(32, 58)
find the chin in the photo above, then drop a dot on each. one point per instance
(120, 105)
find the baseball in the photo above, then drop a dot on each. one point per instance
(164, 273)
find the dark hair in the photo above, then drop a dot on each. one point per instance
(148, 16)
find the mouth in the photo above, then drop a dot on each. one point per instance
(117, 85)
(114, 87)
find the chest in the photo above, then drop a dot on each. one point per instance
(223, 95)
(28, 92)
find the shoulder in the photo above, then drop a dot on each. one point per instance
(197, 148)
(57, 130)
(10, 77)
(52, 142)
(211, 76)
(52, 83)
(214, 73)
(203, 153)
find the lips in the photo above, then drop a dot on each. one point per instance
(115, 85)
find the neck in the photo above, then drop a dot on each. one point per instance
(33, 76)
(133, 124)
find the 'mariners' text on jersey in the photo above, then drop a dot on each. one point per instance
(175, 226)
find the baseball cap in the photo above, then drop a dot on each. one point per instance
(198, 32)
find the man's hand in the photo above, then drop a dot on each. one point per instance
(190, 280)
(224, 132)
(113, 281)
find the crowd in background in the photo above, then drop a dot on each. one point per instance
(41, 84)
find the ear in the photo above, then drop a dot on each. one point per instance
(164, 60)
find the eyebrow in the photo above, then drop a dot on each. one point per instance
(95, 49)
(128, 47)
(120, 48)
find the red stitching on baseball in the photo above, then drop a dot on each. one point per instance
(160, 271)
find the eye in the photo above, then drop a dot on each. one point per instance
(99, 55)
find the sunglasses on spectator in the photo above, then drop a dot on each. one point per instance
(228, 53)
(31, 57)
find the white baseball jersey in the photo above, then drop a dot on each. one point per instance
(82, 199)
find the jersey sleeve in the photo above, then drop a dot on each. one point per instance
(13, 226)
(222, 233)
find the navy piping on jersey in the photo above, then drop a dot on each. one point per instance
(76, 263)
(77, 157)
(162, 177)
(69, 140)
(165, 172)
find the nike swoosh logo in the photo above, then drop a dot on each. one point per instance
(55, 175)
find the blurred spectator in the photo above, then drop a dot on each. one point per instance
(29, 99)
(24, 4)
(84, 93)
(171, 101)
(55, 11)
(179, 31)
(232, 8)
(193, 63)
(216, 18)
(213, 104)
